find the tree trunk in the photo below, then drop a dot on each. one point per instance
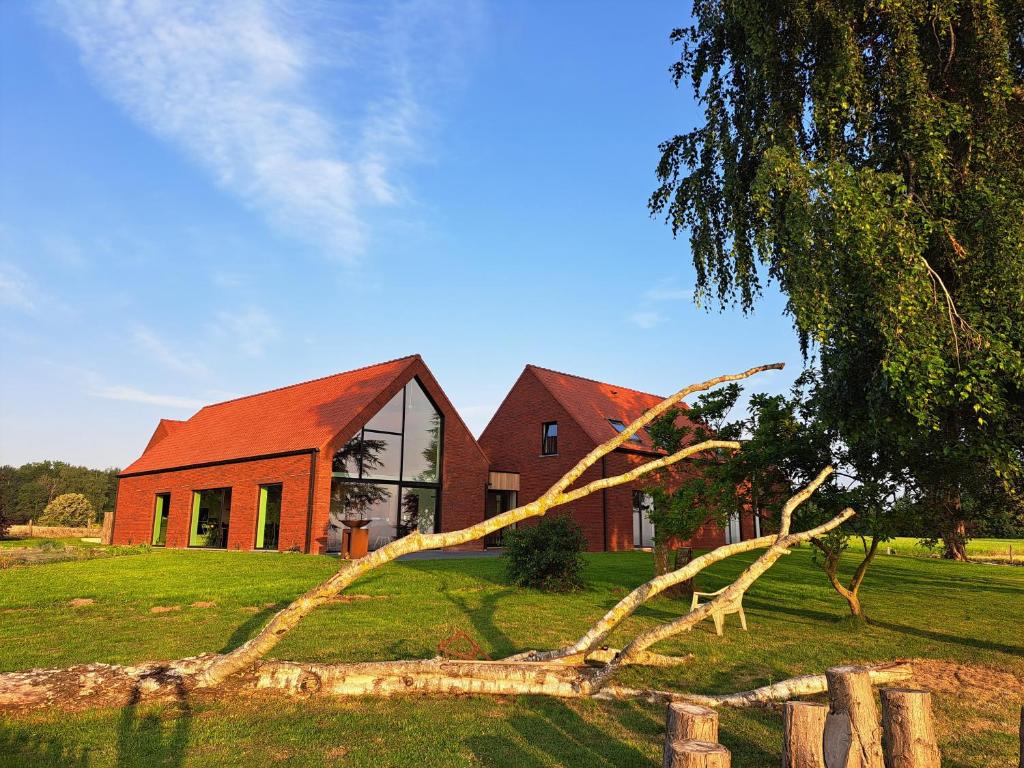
(690, 721)
(697, 754)
(803, 731)
(852, 736)
(955, 540)
(908, 731)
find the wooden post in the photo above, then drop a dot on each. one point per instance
(852, 737)
(908, 731)
(691, 753)
(107, 534)
(803, 731)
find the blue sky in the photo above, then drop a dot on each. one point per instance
(199, 201)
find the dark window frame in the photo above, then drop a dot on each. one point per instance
(549, 442)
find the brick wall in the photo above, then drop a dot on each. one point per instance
(136, 501)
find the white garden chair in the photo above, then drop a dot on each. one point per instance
(718, 615)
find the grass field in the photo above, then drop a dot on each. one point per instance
(994, 549)
(964, 613)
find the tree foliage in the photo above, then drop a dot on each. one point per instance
(68, 509)
(866, 157)
(26, 490)
(546, 556)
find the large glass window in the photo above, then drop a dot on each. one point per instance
(160, 515)
(390, 472)
(268, 518)
(211, 514)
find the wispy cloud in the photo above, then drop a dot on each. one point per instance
(646, 319)
(665, 292)
(17, 291)
(133, 395)
(232, 84)
(162, 352)
(250, 330)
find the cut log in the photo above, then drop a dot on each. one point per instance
(690, 721)
(692, 753)
(803, 731)
(853, 738)
(908, 730)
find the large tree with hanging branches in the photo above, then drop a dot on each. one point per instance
(866, 156)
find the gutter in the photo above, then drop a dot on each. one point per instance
(309, 503)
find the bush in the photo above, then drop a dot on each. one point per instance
(545, 556)
(69, 509)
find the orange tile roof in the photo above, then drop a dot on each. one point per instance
(293, 418)
(592, 403)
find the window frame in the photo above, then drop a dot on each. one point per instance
(261, 513)
(545, 437)
(620, 426)
(157, 510)
(196, 492)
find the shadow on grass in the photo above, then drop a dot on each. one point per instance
(873, 621)
(143, 739)
(482, 619)
(22, 747)
(553, 733)
(250, 627)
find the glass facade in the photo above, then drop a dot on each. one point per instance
(211, 516)
(390, 472)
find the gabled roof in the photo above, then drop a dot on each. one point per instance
(293, 418)
(592, 403)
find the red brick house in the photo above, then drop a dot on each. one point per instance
(278, 470)
(548, 421)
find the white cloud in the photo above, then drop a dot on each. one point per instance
(667, 291)
(646, 319)
(133, 395)
(160, 351)
(232, 84)
(17, 290)
(250, 330)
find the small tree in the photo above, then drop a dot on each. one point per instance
(547, 555)
(69, 509)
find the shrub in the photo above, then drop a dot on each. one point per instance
(69, 509)
(545, 556)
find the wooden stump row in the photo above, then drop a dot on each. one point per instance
(846, 733)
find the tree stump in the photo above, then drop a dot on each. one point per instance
(690, 721)
(803, 732)
(852, 736)
(908, 731)
(691, 753)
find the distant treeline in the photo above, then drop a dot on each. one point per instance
(26, 490)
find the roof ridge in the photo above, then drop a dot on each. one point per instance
(309, 381)
(593, 381)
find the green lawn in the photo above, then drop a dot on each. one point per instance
(966, 613)
(977, 548)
